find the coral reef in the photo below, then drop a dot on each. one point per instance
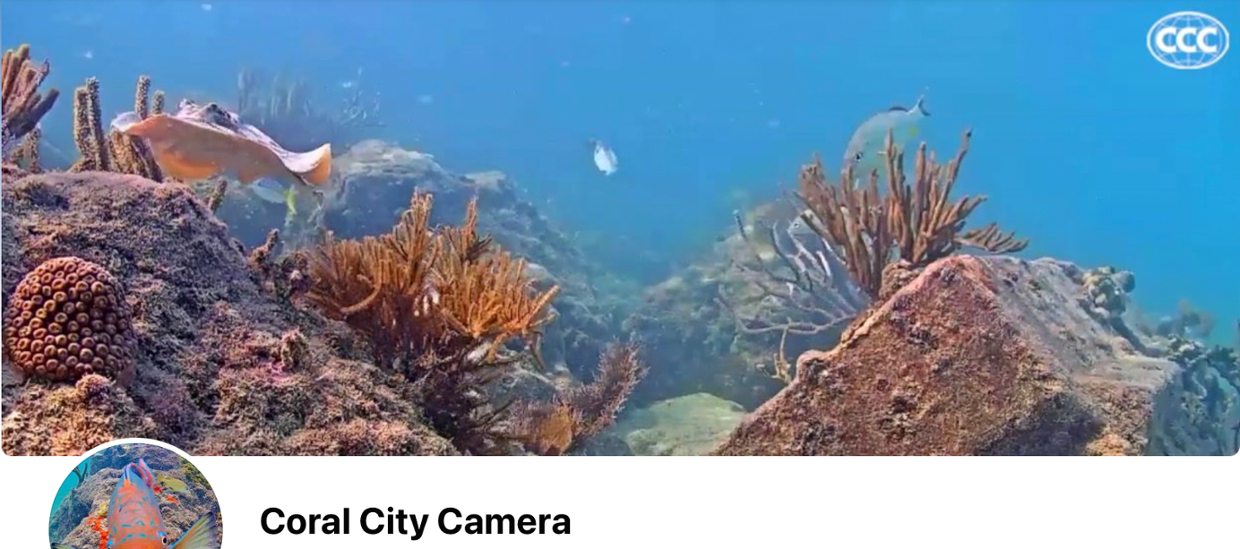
(781, 277)
(117, 152)
(59, 420)
(25, 156)
(1107, 289)
(68, 318)
(980, 355)
(919, 222)
(717, 326)
(211, 376)
(22, 104)
(565, 423)
(284, 110)
(1209, 403)
(1189, 321)
(438, 306)
(803, 275)
(376, 181)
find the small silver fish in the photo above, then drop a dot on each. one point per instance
(604, 158)
(865, 149)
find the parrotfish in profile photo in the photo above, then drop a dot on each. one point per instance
(135, 522)
(202, 141)
(604, 158)
(865, 150)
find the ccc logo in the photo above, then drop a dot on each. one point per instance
(1188, 40)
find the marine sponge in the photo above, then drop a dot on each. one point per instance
(23, 106)
(115, 151)
(67, 319)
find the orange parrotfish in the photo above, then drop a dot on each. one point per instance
(134, 520)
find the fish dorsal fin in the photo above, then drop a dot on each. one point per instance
(199, 536)
(897, 108)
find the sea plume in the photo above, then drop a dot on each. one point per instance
(439, 306)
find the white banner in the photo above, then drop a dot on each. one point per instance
(701, 502)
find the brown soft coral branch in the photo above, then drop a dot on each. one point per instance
(992, 239)
(438, 306)
(559, 426)
(926, 223)
(22, 105)
(851, 218)
(919, 222)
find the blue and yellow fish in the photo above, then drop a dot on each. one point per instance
(134, 520)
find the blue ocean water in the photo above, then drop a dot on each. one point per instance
(1083, 142)
(71, 481)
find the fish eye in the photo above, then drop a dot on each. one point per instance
(857, 157)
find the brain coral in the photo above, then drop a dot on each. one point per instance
(67, 319)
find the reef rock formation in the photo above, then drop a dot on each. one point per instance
(211, 373)
(690, 425)
(979, 355)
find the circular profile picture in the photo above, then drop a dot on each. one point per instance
(135, 495)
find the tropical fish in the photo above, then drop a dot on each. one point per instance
(171, 483)
(865, 149)
(135, 522)
(271, 190)
(202, 141)
(604, 158)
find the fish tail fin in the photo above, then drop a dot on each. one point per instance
(290, 200)
(199, 536)
(921, 105)
(322, 170)
(62, 546)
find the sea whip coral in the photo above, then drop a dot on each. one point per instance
(919, 221)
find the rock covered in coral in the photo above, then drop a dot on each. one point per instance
(212, 376)
(1208, 410)
(1107, 289)
(70, 419)
(68, 318)
(977, 356)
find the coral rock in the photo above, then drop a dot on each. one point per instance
(211, 378)
(68, 318)
(975, 356)
(72, 419)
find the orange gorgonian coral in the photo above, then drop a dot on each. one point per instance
(437, 305)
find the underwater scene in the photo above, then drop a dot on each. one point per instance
(135, 495)
(674, 227)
